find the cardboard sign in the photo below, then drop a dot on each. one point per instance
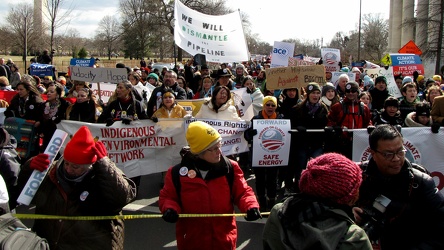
(294, 77)
(37, 177)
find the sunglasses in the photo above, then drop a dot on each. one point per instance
(270, 105)
(351, 90)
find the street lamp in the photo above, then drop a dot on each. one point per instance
(359, 32)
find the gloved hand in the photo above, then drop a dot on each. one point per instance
(328, 129)
(155, 119)
(126, 121)
(252, 132)
(109, 122)
(253, 214)
(301, 129)
(435, 128)
(8, 113)
(56, 120)
(100, 149)
(370, 129)
(337, 129)
(40, 162)
(170, 216)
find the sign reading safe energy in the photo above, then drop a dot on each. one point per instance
(294, 77)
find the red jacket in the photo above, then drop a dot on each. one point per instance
(207, 196)
(354, 118)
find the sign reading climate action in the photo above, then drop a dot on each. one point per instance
(294, 77)
(114, 75)
(219, 38)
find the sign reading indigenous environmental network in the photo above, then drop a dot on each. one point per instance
(219, 38)
(86, 74)
(271, 145)
(423, 147)
(294, 77)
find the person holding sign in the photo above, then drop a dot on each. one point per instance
(206, 182)
(319, 217)
(85, 182)
(266, 176)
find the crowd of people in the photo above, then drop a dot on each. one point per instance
(321, 183)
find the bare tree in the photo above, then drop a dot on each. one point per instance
(57, 16)
(108, 34)
(20, 20)
(374, 37)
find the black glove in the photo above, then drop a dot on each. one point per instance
(328, 129)
(109, 122)
(56, 120)
(301, 129)
(337, 129)
(155, 119)
(8, 113)
(126, 121)
(253, 214)
(253, 132)
(435, 127)
(370, 129)
(170, 216)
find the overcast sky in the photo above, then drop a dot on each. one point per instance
(273, 20)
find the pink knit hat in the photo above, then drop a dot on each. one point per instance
(331, 176)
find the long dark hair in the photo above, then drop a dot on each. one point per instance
(216, 90)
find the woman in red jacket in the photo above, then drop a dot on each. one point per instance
(205, 182)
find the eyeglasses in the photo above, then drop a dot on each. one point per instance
(216, 148)
(351, 90)
(270, 105)
(390, 156)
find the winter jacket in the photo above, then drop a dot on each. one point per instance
(226, 112)
(115, 108)
(209, 195)
(300, 116)
(33, 108)
(87, 111)
(176, 112)
(410, 121)
(357, 115)
(304, 222)
(382, 117)
(406, 107)
(414, 219)
(104, 191)
(157, 94)
(378, 98)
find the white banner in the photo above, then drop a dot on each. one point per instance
(219, 38)
(388, 73)
(242, 100)
(142, 148)
(280, 54)
(232, 133)
(331, 58)
(106, 90)
(423, 147)
(87, 74)
(271, 145)
(36, 178)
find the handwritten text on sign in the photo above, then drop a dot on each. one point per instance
(294, 77)
(114, 75)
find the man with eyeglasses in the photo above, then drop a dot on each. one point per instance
(399, 204)
(349, 113)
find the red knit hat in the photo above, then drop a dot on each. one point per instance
(332, 176)
(80, 149)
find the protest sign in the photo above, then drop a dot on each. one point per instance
(331, 58)
(113, 75)
(271, 145)
(106, 90)
(219, 38)
(294, 77)
(423, 147)
(41, 70)
(388, 73)
(280, 54)
(37, 177)
(82, 62)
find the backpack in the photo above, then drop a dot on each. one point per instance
(175, 176)
(14, 235)
(345, 110)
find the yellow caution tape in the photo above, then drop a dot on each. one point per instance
(124, 217)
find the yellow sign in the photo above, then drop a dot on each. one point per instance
(294, 77)
(387, 60)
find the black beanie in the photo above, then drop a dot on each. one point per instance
(381, 79)
(391, 101)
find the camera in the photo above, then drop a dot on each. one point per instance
(374, 217)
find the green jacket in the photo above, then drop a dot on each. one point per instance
(301, 222)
